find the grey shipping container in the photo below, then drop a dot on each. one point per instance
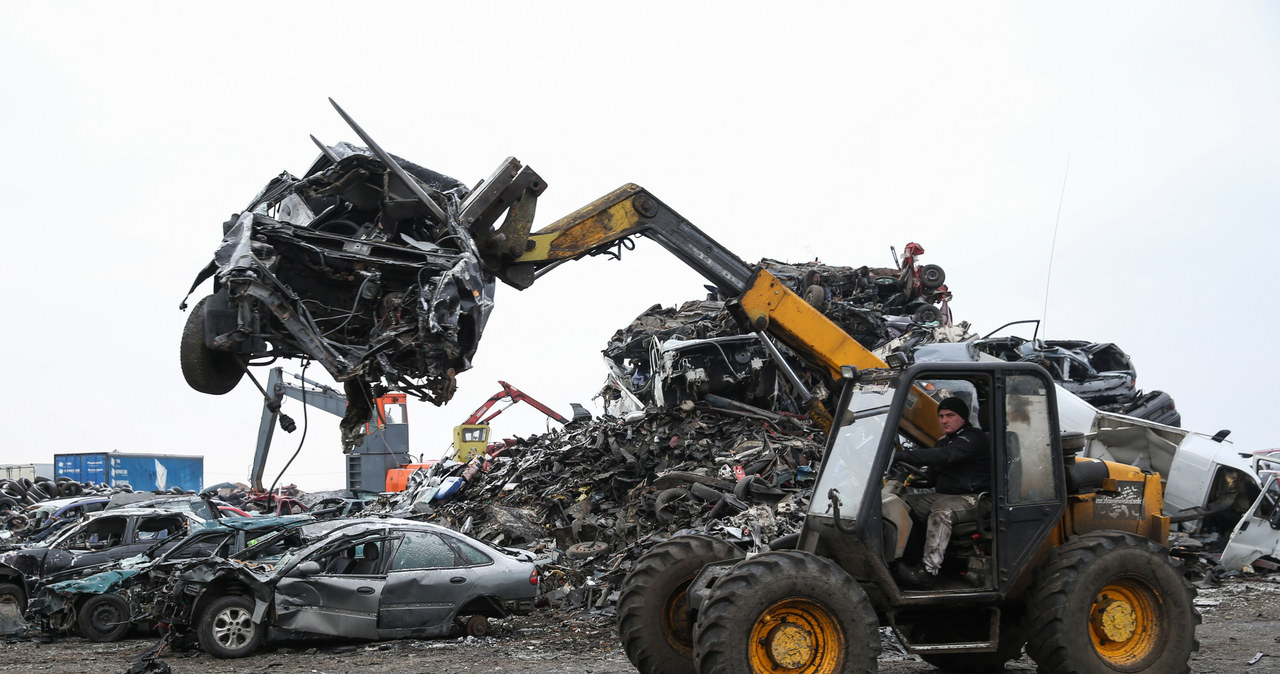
(17, 471)
(142, 472)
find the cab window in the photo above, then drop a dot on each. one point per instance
(1028, 441)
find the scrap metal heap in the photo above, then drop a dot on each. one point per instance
(668, 355)
(595, 496)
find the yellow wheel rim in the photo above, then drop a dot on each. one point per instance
(797, 635)
(675, 618)
(1124, 623)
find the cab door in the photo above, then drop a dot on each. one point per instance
(1030, 485)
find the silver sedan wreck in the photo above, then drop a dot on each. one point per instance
(359, 578)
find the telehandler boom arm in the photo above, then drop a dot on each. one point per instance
(759, 299)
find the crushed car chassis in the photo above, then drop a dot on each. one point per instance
(370, 265)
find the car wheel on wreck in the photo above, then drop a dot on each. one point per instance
(926, 313)
(227, 629)
(653, 607)
(932, 276)
(104, 617)
(13, 594)
(477, 626)
(206, 370)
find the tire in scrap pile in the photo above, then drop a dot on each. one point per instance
(1111, 602)
(653, 608)
(786, 611)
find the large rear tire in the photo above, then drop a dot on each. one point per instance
(1111, 602)
(786, 611)
(104, 617)
(206, 370)
(653, 606)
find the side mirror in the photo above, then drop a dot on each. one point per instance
(307, 569)
(1275, 518)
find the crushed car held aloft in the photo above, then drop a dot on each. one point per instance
(365, 264)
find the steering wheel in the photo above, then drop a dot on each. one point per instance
(910, 474)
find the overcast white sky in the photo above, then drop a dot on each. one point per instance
(828, 130)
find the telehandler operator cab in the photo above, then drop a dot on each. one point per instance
(858, 515)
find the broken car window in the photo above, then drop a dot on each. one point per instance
(424, 550)
(102, 533)
(470, 555)
(157, 528)
(214, 546)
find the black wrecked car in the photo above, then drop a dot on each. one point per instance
(371, 265)
(358, 578)
(101, 538)
(104, 601)
(345, 266)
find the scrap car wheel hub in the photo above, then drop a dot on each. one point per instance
(233, 628)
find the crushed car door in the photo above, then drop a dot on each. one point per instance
(427, 582)
(1257, 534)
(340, 600)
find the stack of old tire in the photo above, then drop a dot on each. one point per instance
(22, 492)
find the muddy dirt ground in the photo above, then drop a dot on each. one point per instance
(1240, 633)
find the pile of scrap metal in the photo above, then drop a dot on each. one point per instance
(597, 495)
(1099, 372)
(670, 355)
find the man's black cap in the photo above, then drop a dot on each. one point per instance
(955, 405)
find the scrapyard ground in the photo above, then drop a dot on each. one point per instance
(1241, 621)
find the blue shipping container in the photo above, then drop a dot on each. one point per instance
(81, 467)
(142, 472)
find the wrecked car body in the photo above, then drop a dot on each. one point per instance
(1257, 535)
(1099, 372)
(112, 597)
(369, 264)
(344, 266)
(357, 578)
(99, 539)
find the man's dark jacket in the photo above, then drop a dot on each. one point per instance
(961, 461)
